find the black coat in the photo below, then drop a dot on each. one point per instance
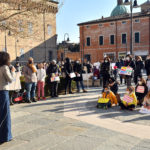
(68, 69)
(140, 96)
(78, 69)
(138, 67)
(105, 69)
(147, 66)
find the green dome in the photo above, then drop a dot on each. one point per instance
(119, 10)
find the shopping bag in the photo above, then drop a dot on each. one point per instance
(140, 89)
(127, 99)
(103, 100)
(72, 75)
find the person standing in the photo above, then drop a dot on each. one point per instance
(147, 65)
(68, 69)
(41, 74)
(6, 77)
(79, 79)
(105, 71)
(129, 63)
(29, 72)
(52, 72)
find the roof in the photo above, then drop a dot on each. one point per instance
(115, 18)
(119, 10)
(146, 3)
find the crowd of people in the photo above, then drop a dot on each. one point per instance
(36, 75)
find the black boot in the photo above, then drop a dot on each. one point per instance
(34, 100)
(28, 101)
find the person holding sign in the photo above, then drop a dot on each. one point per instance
(129, 100)
(130, 64)
(53, 78)
(79, 78)
(69, 75)
(141, 90)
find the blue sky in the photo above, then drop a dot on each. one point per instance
(77, 11)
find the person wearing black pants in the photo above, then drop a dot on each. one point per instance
(53, 71)
(68, 69)
(105, 71)
(138, 67)
(147, 65)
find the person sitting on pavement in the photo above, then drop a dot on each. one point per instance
(107, 93)
(146, 102)
(113, 85)
(129, 101)
(141, 90)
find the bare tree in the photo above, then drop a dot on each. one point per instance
(18, 15)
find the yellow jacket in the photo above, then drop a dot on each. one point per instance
(134, 100)
(110, 96)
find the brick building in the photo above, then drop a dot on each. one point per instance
(111, 36)
(40, 39)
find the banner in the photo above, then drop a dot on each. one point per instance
(140, 89)
(126, 71)
(55, 79)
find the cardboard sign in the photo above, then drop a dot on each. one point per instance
(128, 99)
(126, 71)
(140, 89)
(72, 75)
(55, 79)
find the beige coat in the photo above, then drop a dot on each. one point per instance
(29, 75)
(6, 77)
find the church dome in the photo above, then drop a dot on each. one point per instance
(119, 10)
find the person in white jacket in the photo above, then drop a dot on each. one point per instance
(41, 74)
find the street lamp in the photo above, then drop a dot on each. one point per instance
(65, 41)
(9, 34)
(16, 41)
(132, 5)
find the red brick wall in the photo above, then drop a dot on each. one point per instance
(94, 31)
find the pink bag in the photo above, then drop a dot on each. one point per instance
(127, 99)
(140, 89)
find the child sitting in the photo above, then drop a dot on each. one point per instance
(146, 102)
(141, 90)
(107, 93)
(41, 74)
(113, 85)
(129, 101)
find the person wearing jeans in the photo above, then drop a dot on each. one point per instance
(29, 72)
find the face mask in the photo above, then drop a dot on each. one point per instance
(106, 61)
(77, 62)
(140, 82)
(127, 92)
(127, 58)
(107, 91)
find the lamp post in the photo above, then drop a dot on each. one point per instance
(16, 41)
(132, 5)
(9, 34)
(65, 41)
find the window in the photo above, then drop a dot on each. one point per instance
(137, 37)
(88, 41)
(112, 39)
(100, 25)
(124, 38)
(137, 20)
(87, 57)
(22, 53)
(49, 28)
(30, 27)
(101, 40)
(20, 26)
(31, 53)
(111, 23)
(123, 22)
(87, 26)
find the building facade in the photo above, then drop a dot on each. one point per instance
(111, 36)
(40, 38)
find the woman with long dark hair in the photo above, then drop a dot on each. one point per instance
(6, 77)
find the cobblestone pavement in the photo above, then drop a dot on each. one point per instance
(73, 122)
